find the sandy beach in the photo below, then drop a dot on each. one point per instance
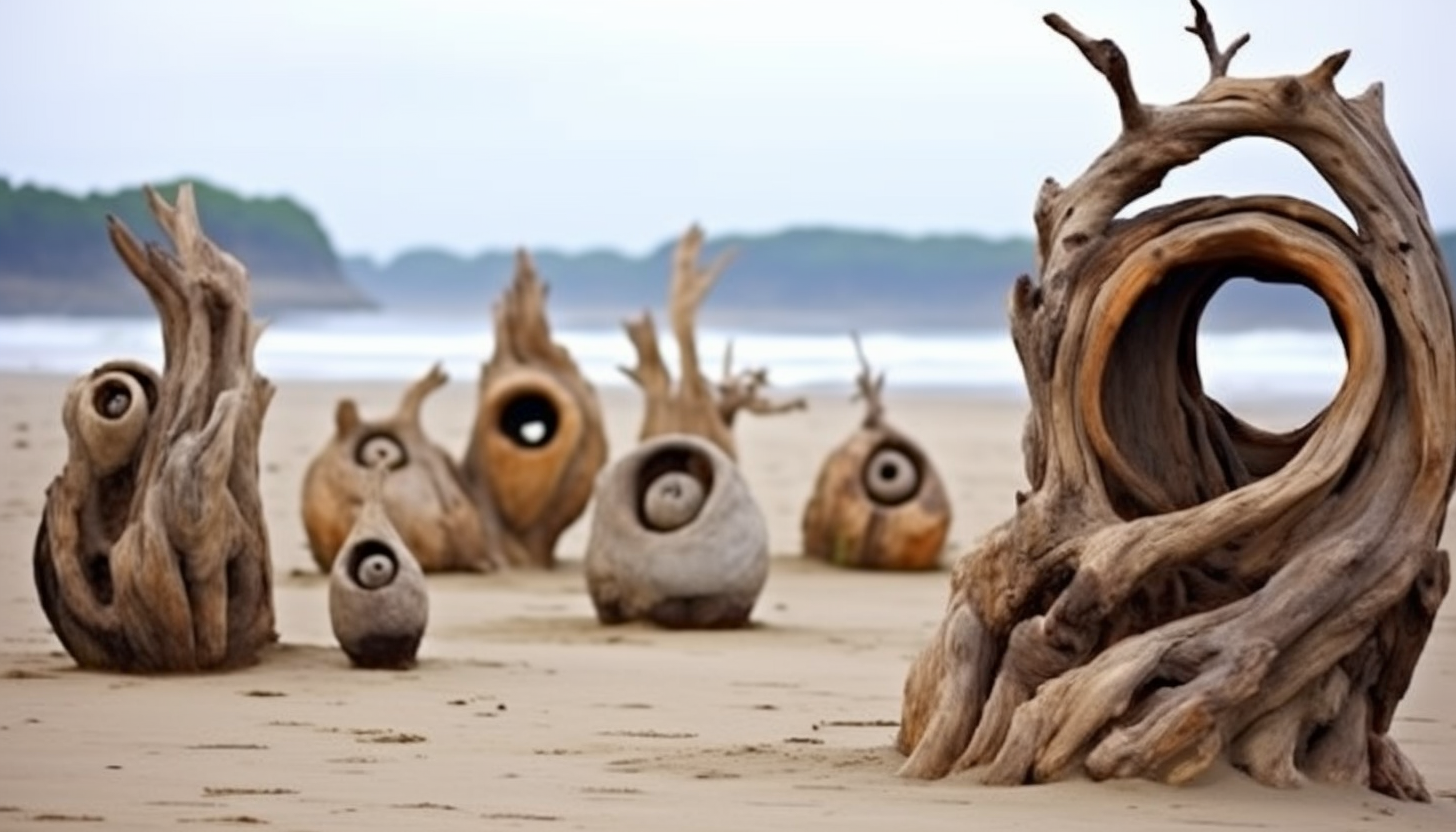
(525, 713)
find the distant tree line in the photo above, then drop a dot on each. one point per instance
(804, 278)
(55, 259)
(55, 256)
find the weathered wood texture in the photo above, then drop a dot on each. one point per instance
(1178, 586)
(424, 497)
(878, 501)
(694, 405)
(538, 440)
(536, 446)
(152, 553)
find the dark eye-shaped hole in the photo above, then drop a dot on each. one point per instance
(381, 449)
(891, 476)
(111, 399)
(372, 564)
(672, 487)
(530, 420)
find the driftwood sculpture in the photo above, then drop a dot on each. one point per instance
(695, 405)
(424, 497)
(878, 502)
(676, 538)
(152, 553)
(378, 605)
(538, 441)
(1179, 587)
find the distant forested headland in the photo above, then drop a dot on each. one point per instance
(801, 279)
(55, 259)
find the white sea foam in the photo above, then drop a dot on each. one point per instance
(391, 347)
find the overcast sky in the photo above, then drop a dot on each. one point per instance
(580, 123)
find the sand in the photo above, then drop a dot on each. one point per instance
(525, 713)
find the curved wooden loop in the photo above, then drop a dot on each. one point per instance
(1178, 586)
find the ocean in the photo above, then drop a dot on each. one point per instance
(1259, 364)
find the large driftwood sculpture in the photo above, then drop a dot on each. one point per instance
(694, 405)
(538, 441)
(378, 604)
(152, 553)
(424, 497)
(1178, 586)
(676, 538)
(878, 502)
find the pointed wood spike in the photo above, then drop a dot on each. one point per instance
(525, 266)
(1324, 74)
(1107, 58)
(1218, 59)
(414, 396)
(1373, 100)
(346, 416)
(128, 248)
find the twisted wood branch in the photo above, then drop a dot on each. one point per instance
(1178, 586)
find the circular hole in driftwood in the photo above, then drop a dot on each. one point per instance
(671, 487)
(891, 475)
(530, 420)
(1170, 445)
(1270, 352)
(372, 564)
(111, 399)
(381, 449)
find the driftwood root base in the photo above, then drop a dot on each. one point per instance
(1177, 586)
(152, 552)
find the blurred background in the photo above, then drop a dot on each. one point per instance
(375, 163)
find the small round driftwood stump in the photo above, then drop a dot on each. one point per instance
(878, 501)
(1179, 587)
(152, 554)
(424, 497)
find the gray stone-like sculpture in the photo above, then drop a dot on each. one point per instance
(378, 604)
(676, 538)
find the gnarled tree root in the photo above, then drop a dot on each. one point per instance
(1178, 586)
(152, 553)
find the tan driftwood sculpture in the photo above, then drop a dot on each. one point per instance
(1179, 587)
(423, 497)
(152, 553)
(538, 441)
(878, 502)
(695, 405)
(378, 605)
(676, 538)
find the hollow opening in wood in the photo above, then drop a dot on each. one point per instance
(1160, 420)
(530, 419)
(372, 564)
(893, 473)
(1308, 351)
(673, 459)
(381, 448)
(111, 399)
